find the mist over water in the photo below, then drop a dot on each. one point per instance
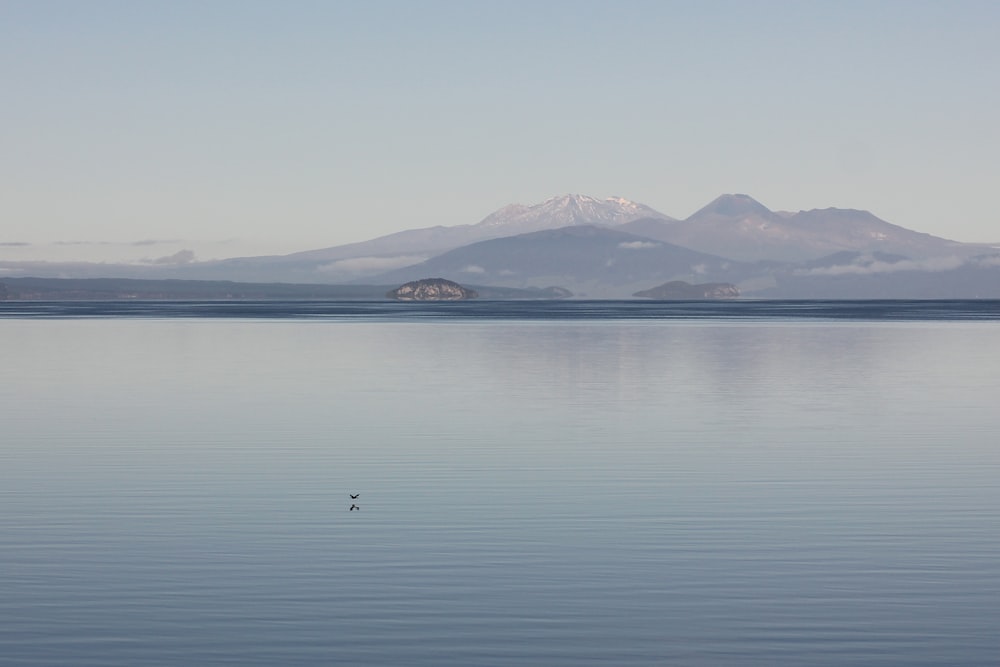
(611, 486)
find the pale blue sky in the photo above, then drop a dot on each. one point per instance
(298, 125)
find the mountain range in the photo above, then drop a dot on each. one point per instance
(613, 248)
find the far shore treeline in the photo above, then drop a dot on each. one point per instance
(70, 289)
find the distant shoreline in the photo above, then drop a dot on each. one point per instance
(632, 311)
(130, 289)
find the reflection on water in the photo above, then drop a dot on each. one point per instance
(559, 492)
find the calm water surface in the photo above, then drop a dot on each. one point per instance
(623, 490)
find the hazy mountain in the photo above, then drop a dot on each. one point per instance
(612, 248)
(404, 248)
(739, 227)
(357, 261)
(590, 261)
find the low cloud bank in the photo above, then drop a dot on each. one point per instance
(868, 265)
(635, 245)
(370, 264)
(179, 257)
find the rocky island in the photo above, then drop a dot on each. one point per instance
(431, 289)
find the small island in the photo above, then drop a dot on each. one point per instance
(431, 289)
(678, 290)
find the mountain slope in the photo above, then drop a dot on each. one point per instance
(855, 275)
(366, 258)
(589, 260)
(739, 227)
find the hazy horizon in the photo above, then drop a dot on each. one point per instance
(140, 131)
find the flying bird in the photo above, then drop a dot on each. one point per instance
(354, 507)
(354, 496)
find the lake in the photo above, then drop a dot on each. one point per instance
(580, 483)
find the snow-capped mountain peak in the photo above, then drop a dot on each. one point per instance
(566, 210)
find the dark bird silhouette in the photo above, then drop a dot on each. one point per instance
(354, 507)
(353, 496)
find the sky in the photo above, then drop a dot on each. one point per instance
(234, 127)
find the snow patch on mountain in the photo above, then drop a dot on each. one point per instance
(567, 210)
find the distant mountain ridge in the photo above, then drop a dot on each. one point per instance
(741, 228)
(412, 246)
(614, 247)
